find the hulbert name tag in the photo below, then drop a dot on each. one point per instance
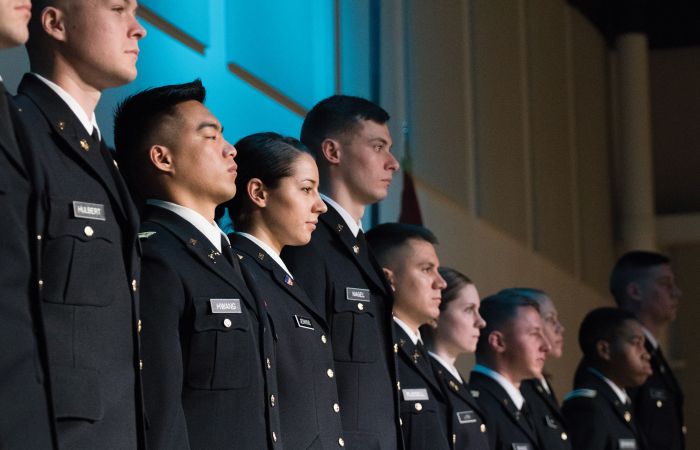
(628, 444)
(225, 305)
(411, 395)
(357, 294)
(517, 446)
(94, 211)
(466, 417)
(303, 322)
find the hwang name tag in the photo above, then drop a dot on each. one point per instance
(94, 211)
(415, 394)
(225, 305)
(466, 417)
(303, 322)
(357, 294)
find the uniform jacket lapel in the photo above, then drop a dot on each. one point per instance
(624, 412)
(461, 390)
(408, 351)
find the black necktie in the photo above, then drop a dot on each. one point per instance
(95, 136)
(226, 250)
(527, 415)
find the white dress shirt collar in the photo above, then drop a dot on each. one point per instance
(355, 227)
(449, 367)
(545, 385)
(209, 229)
(414, 336)
(513, 392)
(619, 392)
(89, 123)
(267, 249)
(650, 337)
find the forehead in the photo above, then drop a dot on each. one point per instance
(526, 317)
(419, 250)
(370, 130)
(193, 113)
(629, 329)
(304, 166)
(661, 271)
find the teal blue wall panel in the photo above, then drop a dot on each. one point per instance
(192, 17)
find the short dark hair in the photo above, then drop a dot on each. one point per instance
(456, 281)
(632, 267)
(386, 238)
(268, 156)
(137, 122)
(601, 324)
(532, 293)
(498, 310)
(338, 116)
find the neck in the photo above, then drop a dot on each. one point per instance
(412, 324)
(654, 327)
(503, 369)
(340, 194)
(445, 351)
(65, 76)
(205, 208)
(260, 231)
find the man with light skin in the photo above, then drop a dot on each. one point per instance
(643, 283)
(511, 348)
(407, 256)
(352, 144)
(24, 410)
(86, 236)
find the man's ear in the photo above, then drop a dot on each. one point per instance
(497, 341)
(161, 158)
(602, 348)
(331, 151)
(390, 277)
(53, 23)
(634, 291)
(257, 192)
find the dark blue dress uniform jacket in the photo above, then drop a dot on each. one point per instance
(23, 388)
(424, 408)
(548, 419)
(658, 405)
(467, 428)
(203, 379)
(341, 277)
(508, 427)
(596, 417)
(88, 277)
(301, 357)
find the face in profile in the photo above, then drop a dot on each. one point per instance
(14, 17)
(100, 40)
(553, 329)
(203, 165)
(629, 360)
(366, 163)
(525, 344)
(417, 284)
(292, 208)
(460, 323)
(659, 294)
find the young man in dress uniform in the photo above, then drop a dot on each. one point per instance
(511, 348)
(88, 263)
(23, 389)
(351, 140)
(643, 284)
(599, 411)
(204, 385)
(407, 255)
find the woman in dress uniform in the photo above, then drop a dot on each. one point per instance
(278, 204)
(457, 332)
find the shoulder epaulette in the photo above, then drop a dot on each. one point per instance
(146, 234)
(586, 393)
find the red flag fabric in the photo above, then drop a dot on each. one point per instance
(410, 209)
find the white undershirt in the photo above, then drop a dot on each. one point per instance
(621, 393)
(88, 123)
(355, 227)
(267, 249)
(449, 367)
(514, 393)
(209, 229)
(414, 336)
(650, 337)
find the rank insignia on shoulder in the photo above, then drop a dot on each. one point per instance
(193, 242)
(146, 234)
(585, 393)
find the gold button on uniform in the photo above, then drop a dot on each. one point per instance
(659, 403)
(139, 326)
(274, 436)
(454, 438)
(396, 348)
(360, 306)
(41, 284)
(336, 407)
(418, 406)
(398, 385)
(140, 364)
(341, 442)
(227, 323)
(482, 428)
(88, 231)
(133, 285)
(564, 436)
(268, 363)
(272, 400)
(628, 416)
(324, 339)
(329, 372)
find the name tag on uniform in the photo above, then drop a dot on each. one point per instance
(303, 322)
(415, 394)
(357, 294)
(225, 305)
(627, 444)
(466, 417)
(658, 394)
(517, 446)
(94, 211)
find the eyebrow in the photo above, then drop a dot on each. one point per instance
(214, 125)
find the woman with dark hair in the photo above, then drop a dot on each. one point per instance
(456, 332)
(277, 205)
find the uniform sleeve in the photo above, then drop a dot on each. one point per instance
(586, 424)
(162, 305)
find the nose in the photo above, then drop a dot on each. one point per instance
(392, 163)
(320, 206)
(136, 30)
(546, 346)
(440, 282)
(480, 322)
(229, 150)
(560, 328)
